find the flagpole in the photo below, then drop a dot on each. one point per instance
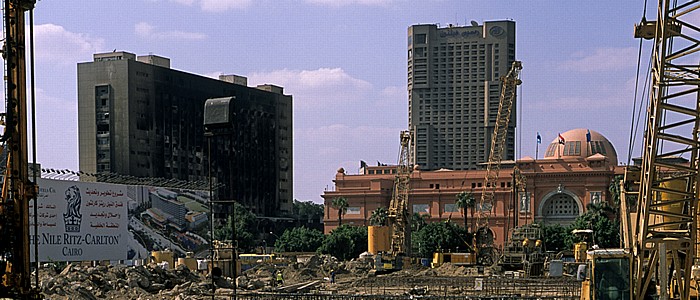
(537, 149)
(588, 142)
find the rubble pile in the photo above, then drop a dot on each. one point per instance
(315, 267)
(152, 281)
(121, 282)
(445, 270)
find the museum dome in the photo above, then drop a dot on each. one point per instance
(576, 145)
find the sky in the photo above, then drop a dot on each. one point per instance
(344, 63)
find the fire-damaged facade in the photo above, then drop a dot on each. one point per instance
(139, 117)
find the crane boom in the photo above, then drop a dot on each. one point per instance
(484, 237)
(398, 208)
(17, 190)
(672, 130)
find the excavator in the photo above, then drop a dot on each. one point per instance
(486, 253)
(398, 215)
(659, 200)
(17, 189)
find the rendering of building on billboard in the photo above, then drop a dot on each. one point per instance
(87, 221)
(80, 221)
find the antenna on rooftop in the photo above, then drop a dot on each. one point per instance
(475, 23)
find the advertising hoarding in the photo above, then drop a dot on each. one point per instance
(80, 221)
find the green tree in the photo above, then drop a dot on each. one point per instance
(307, 210)
(245, 224)
(299, 239)
(418, 221)
(597, 218)
(345, 242)
(341, 204)
(614, 189)
(463, 201)
(378, 217)
(556, 237)
(444, 236)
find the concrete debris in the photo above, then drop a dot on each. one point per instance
(308, 275)
(120, 282)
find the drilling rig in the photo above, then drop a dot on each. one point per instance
(660, 255)
(666, 239)
(484, 236)
(17, 190)
(398, 216)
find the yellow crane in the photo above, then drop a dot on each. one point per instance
(666, 237)
(17, 190)
(398, 216)
(484, 235)
(661, 237)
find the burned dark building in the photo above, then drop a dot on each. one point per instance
(139, 117)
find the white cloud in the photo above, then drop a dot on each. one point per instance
(320, 151)
(391, 95)
(148, 31)
(58, 45)
(213, 5)
(57, 142)
(338, 3)
(223, 5)
(315, 87)
(602, 59)
(214, 75)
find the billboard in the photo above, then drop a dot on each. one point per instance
(88, 221)
(80, 221)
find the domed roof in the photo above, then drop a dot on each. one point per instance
(576, 145)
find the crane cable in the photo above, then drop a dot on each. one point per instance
(634, 124)
(35, 169)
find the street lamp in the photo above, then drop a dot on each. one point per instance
(218, 114)
(276, 238)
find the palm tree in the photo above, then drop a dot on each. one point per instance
(378, 217)
(614, 189)
(341, 204)
(465, 200)
(601, 209)
(418, 221)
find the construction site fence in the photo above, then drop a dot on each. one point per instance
(387, 297)
(562, 288)
(439, 288)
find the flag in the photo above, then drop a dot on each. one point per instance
(588, 136)
(363, 164)
(561, 140)
(539, 138)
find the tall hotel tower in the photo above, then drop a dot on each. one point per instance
(454, 90)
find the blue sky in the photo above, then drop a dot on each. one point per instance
(344, 61)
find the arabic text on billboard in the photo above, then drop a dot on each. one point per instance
(80, 221)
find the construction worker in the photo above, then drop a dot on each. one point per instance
(332, 275)
(280, 279)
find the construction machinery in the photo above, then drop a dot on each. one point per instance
(663, 235)
(17, 190)
(398, 216)
(484, 236)
(455, 258)
(610, 275)
(524, 250)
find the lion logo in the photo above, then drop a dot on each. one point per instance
(72, 217)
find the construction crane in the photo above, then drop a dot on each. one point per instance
(667, 227)
(661, 237)
(484, 235)
(17, 190)
(398, 216)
